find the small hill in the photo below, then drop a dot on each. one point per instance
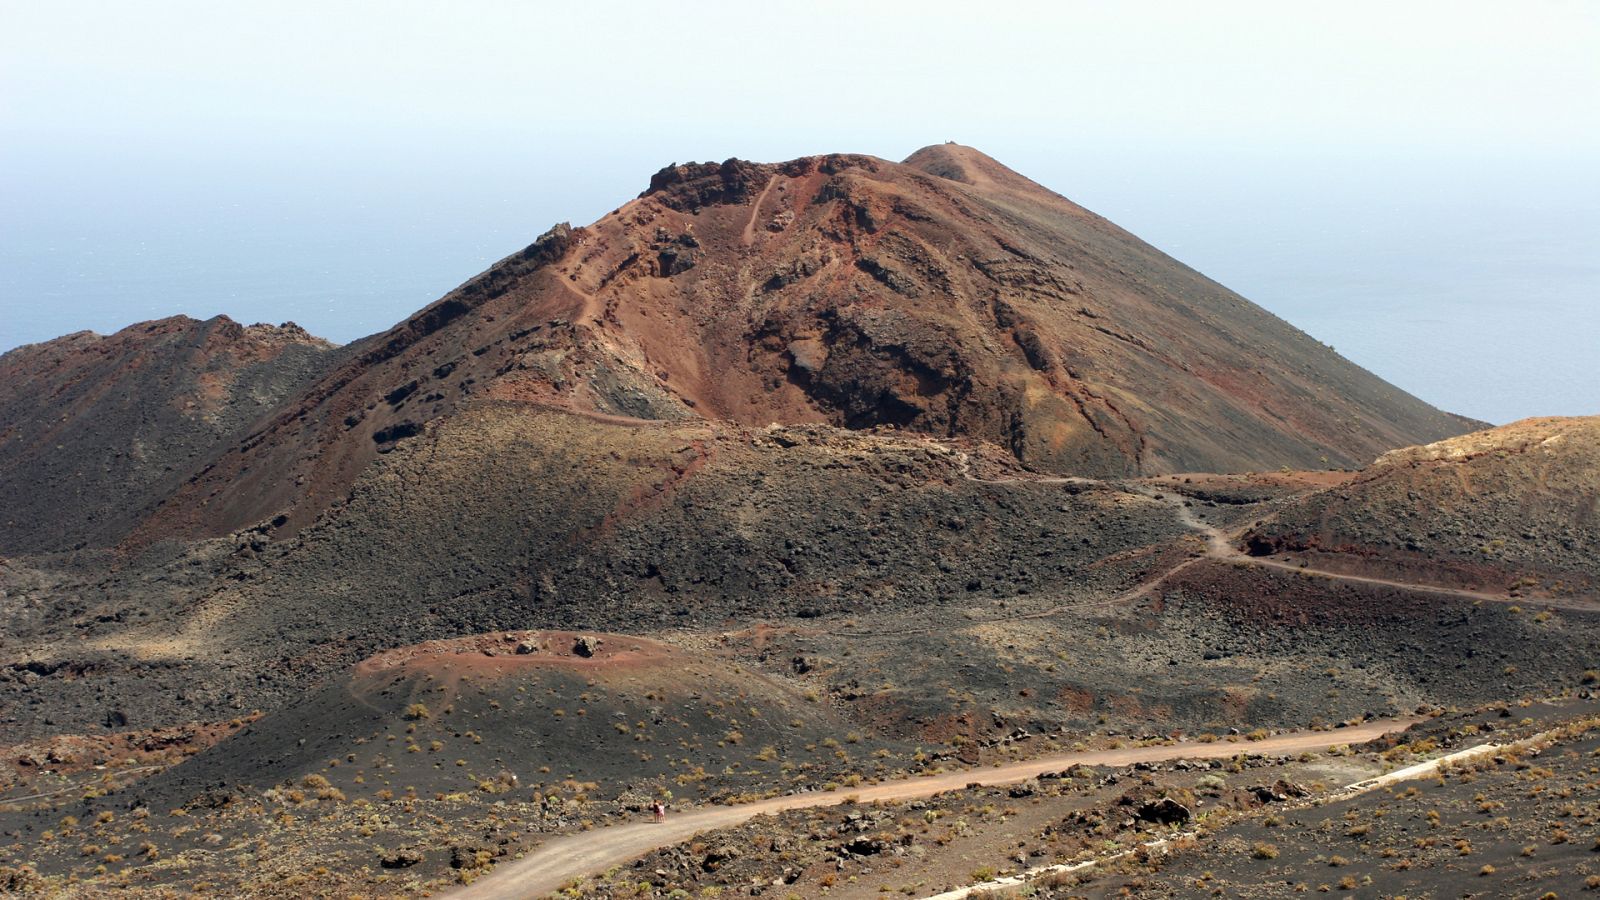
(94, 429)
(946, 295)
(532, 710)
(1514, 506)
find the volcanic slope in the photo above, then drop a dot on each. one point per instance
(620, 710)
(509, 516)
(1513, 507)
(945, 295)
(96, 429)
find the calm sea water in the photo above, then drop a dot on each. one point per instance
(1480, 294)
(1475, 286)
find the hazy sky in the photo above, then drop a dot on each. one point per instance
(343, 164)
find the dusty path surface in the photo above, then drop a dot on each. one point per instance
(6, 801)
(749, 235)
(566, 857)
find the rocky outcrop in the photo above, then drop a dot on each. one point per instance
(1163, 811)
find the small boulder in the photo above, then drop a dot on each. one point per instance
(586, 646)
(1165, 811)
(404, 858)
(1277, 792)
(864, 846)
(715, 857)
(526, 647)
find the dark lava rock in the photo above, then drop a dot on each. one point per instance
(1165, 811)
(1277, 792)
(716, 856)
(864, 846)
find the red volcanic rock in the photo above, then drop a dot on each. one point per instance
(945, 295)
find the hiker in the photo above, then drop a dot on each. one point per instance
(661, 812)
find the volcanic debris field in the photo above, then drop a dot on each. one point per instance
(778, 485)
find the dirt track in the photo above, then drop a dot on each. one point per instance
(1220, 546)
(564, 858)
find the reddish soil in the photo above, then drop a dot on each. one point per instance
(49, 768)
(498, 654)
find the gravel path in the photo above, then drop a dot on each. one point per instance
(563, 858)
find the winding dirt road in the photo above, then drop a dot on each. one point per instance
(566, 857)
(1220, 546)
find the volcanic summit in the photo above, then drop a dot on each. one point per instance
(944, 295)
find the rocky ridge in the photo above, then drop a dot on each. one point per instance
(96, 429)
